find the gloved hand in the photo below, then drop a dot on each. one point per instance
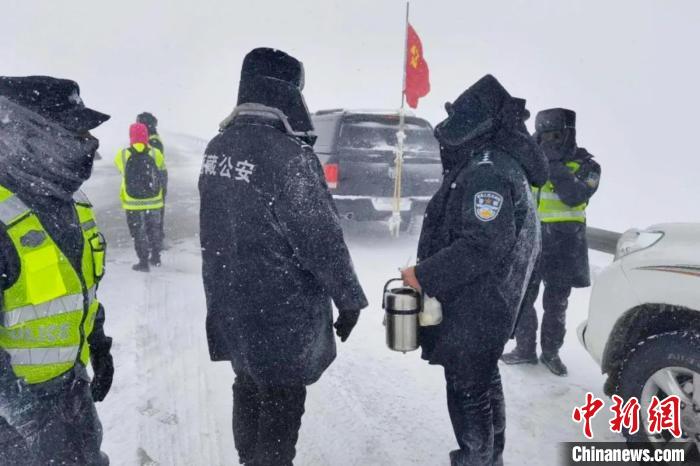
(345, 323)
(103, 367)
(557, 169)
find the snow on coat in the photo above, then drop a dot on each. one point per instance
(477, 249)
(273, 253)
(564, 260)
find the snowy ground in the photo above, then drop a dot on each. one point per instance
(171, 406)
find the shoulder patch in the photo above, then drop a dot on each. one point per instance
(487, 205)
(592, 180)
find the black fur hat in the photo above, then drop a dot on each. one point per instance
(555, 119)
(476, 112)
(275, 79)
(149, 120)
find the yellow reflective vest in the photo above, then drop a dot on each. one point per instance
(128, 202)
(156, 142)
(49, 312)
(550, 207)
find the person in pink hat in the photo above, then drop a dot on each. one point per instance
(143, 171)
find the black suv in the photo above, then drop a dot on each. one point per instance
(357, 149)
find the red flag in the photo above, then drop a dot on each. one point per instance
(417, 73)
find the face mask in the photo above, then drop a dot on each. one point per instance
(41, 156)
(461, 128)
(557, 145)
(84, 164)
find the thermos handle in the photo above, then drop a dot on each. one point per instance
(386, 287)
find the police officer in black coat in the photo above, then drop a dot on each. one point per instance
(46, 154)
(477, 249)
(274, 258)
(574, 178)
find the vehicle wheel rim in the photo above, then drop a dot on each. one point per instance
(684, 383)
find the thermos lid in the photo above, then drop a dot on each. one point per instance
(404, 300)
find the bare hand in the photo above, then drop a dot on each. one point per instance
(409, 278)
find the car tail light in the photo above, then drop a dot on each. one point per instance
(331, 172)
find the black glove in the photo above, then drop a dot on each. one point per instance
(103, 367)
(558, 171)
(345, 323)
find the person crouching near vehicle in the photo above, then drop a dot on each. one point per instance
(477, 248)
(51, 262)
(142, 168)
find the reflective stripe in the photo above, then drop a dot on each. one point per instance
(124, 162)
(563, 214)
(157, 203)
(11, 209)
(80, 198)
(549, 196)
(62, 305)
(37, 356)
(89, 225)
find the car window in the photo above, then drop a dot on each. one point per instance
(325, 131)
(378, 136)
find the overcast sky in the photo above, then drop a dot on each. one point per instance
(628, 67)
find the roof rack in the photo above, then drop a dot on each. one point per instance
(328, 111)
(364, 111)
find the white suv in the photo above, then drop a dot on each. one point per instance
(643, 326)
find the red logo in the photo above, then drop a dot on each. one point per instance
(665, 415)
(626, 416)
(587, 412)
(661, 415)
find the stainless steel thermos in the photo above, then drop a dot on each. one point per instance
(401, 306)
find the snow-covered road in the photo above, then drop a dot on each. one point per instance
(171, 406)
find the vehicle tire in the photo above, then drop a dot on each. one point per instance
(659, 364)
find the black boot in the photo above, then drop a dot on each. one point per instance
(519, 356)
(554, 364)
(142, 266)
(155, 259)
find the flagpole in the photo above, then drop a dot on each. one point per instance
(405, 55)
(400, 136)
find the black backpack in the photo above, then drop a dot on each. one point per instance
(141, 175)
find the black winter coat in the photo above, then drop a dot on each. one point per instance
(477, 249)
(273, 254)
(564, 259)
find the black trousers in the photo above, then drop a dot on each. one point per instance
(162, 218)
(146, 230)
(478, 414)
(69, 432)
(266, 421)
(555, 300)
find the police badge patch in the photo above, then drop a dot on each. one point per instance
(487, 205)
(592, 180)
